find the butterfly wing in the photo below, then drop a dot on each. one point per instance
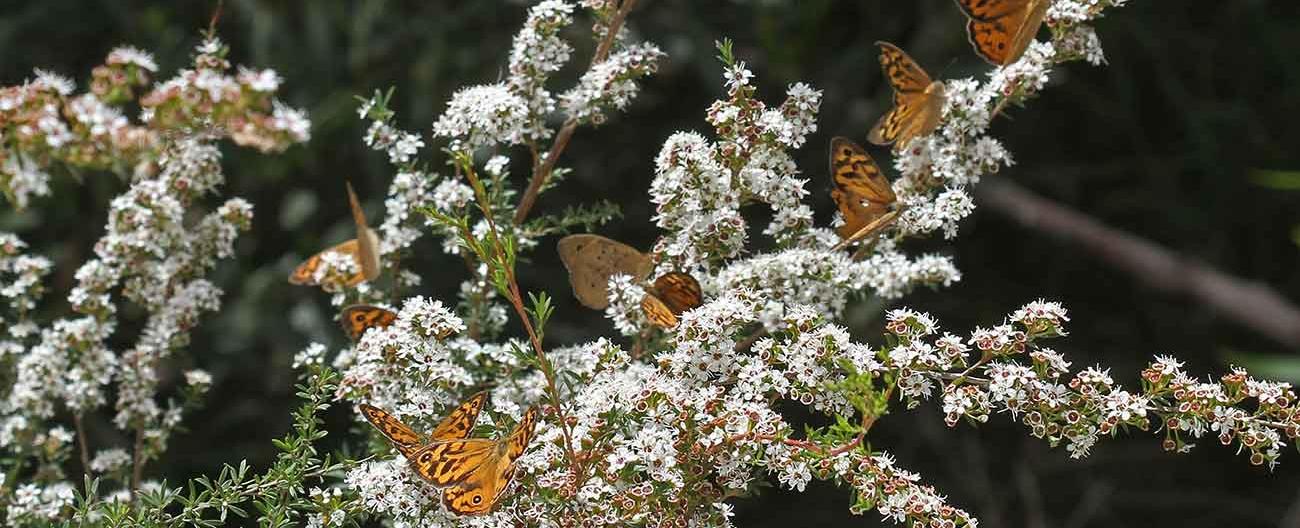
(445, 463)
(407, 441)
(358, 318)
(679, 291)
(593, 259)
(459, 423)
(918, 101)
(857, 179)
(657, 311)
(479, 492)
(368, 241)
(1001, 30)
(305, 272)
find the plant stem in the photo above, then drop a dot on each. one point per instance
(137, 462)
(517, 301)
(542, 170)
(81, 444)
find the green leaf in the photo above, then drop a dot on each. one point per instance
(1273, 366)
(1275, 179)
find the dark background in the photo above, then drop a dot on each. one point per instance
(1163, 143)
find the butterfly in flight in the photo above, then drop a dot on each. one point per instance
(918, 100)
(472, 472)
(364, 250)
(593, 259)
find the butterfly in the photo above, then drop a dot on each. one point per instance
(673, 293)
(364, 249)
(857, 180)
(593, 259)
(472, 472)
(918, 101)
(358, 318)
(1001, 30)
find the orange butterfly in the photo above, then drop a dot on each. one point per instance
(358, 318)
(472, 471)
(862, 193)
(1001, 30)
(364, 249)
(673, 293)
(918, 100)
(593, 259)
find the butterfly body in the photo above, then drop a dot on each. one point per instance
(473, 472)
(918, 100)
(1001, 30)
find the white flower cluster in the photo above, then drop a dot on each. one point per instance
(536, 53)
(700, 186)
(611, 83)
(483, 115)
(40, 504)
(20, 275)
(515, 111)
(130, 56)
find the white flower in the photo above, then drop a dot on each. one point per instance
(132, 56)
(110, 460)
(483, 115)
(198, 378)
(737, 76)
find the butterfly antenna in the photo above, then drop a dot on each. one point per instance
(945, 68)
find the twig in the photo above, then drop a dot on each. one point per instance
(81, 444)
(137, 462)
(542, 171)
(1250, 304)
(517, 301)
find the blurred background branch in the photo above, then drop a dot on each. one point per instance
(1249, 303)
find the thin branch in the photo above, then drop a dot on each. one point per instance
(81, 443)
(517, 301)
(1251, 304)
(137, 462)
(542, 171)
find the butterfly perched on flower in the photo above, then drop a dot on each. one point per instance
(861, 193)
(1001, 30)
(593, 259)
(918, 100)
(364, 250)
(472, 472)
(358, 318)
(673, 293)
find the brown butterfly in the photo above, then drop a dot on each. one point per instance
(673, 293)
(593, 259)
(918, 101)
(364, 250)
(862, 193)
(472, 471)
(358, 318)
(1001, 30)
